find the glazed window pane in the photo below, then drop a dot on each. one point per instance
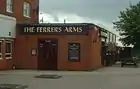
(74, 51)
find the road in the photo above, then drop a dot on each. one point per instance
(104, 78)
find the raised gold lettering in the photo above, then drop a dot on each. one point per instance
(59, 29)
(48, 29)
(53, 29)
(39, 29)
(77, 29)
(68, 29)
(80, 29)
(29, 29)
(56, 29)
(25, 29)
(44, 29)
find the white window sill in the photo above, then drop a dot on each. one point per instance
(9, 11)
(27, 16)
(8, 53)
(8, 58)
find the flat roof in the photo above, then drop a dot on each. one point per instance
(55, 24)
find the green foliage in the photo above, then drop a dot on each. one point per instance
(129, 25)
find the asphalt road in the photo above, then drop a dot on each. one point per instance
(105, 78)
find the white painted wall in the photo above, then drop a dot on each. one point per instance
(7, 24)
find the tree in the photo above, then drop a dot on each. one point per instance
(128, 25)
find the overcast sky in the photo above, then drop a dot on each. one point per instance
(102, 12)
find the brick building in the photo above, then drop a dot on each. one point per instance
(30, 45)
(58, 46)
(11, 13)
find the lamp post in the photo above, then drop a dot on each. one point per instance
(64, 21)
(42, 18)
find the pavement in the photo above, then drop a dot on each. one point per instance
(113, 77)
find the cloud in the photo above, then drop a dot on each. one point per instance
(71, 18)
(106, 10)
(101, 12)
(74, 18)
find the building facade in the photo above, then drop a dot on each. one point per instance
(11, 13)
(58, 46)
(30, 45)
(108, 40)
(107, 36)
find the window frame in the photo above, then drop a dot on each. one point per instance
(1, 50)
(11, 42)
(26, 9)
(9, 6)
(79, 52)
(108, 39)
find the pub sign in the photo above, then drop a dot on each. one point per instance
(53, 29)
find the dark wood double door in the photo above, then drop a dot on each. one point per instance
(47, 54)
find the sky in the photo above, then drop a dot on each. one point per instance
(100, 12)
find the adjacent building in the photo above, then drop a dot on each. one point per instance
(108, 40)
(11, 13)
(107, 36)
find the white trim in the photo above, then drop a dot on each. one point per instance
(27, 16)
(8, 41)
(9, 11)
(7, 17)
(1, 56)
(8, 58)
(8, 53)
(1, 39)
(1, 50)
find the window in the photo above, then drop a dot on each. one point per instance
(8, 50)
(0, 50)
(110, 37)
(113, 38)
(9, 5)
(74, 52)
(107, 40)
(26, 9)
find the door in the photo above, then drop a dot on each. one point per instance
(47, 54)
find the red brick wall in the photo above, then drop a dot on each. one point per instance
(18, 10)
(90, 52)
(6, 63)
(18, 14)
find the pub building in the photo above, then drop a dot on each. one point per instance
(57, 46)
